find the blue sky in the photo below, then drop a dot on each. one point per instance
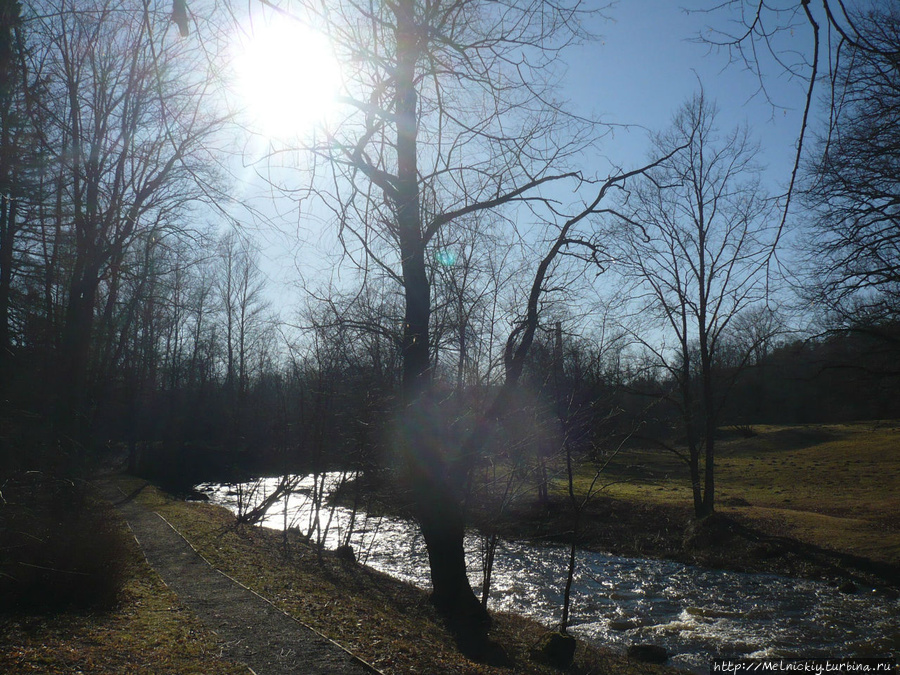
(648, 63)
(645, 65)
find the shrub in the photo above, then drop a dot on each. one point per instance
(59, 548)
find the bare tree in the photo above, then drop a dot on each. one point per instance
(13, 130)
(754, 333)
(695, 247)
(449, 113)
(853, 181)
(803, 40)
(465, 277)
(127, 142)
(240, 286)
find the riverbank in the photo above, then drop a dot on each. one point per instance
(817, 502)
(386, 622)
(811, 501)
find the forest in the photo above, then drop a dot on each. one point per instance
(498, 296)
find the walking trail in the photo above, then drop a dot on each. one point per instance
(250, 628)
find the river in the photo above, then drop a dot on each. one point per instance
(695, 613)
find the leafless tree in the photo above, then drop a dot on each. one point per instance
(450, 118)
(449, 113)
(695, 247)
(808, 41)
(15, 150)
(579, 502)
(754, 333)
(852, 181)
(126, 142)
(240, 288)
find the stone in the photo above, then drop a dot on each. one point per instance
(848, 587)
(648, 653)
(558, 649)
(623, 624)
(345, 553)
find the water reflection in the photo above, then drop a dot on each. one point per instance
(695, 613)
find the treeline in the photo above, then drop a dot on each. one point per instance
(504, 316)
(104, 147)
(837, 377)
(125, 323)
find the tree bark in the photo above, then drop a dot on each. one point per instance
(438, 508)
(72, 405)
(7, 234)
(9, 153)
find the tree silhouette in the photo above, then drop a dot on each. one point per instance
(448, 113)
(695, 247)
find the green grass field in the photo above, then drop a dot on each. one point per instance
(834, 486)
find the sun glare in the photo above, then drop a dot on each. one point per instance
(287, 77)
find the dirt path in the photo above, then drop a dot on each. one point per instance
(251, 629)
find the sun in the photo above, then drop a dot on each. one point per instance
(287, 77)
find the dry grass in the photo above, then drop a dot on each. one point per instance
(388, 623)
(835, 486)
(149, 632)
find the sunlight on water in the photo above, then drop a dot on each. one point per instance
(695, 613)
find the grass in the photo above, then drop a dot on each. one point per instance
(388, 623)
(840, 491)
(833, 486)
(147, 632)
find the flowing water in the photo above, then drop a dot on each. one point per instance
(695, 613)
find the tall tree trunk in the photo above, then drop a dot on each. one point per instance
(689, 427)
(573, 546)
(436, 491)
(709, 419)
(9, 21)
(73, 409)
(7, 234)
(696, 483)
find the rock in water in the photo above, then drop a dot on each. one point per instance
(848, 587)
(648, 653)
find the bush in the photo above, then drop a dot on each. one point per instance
(59, 548)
